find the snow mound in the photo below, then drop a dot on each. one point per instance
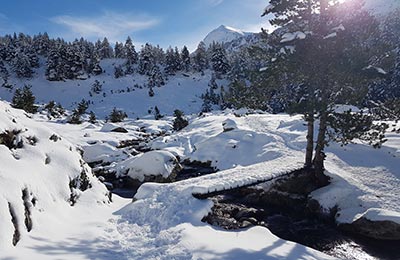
(40, 171)
(154, 163)
(109, 127)
(374, 214)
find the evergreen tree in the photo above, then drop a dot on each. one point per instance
(146, 60)
(97, 87)
(157, 114)
(151, 91)
(131, 54)
(185, 56)
(329, 65)
(170, 63)
(119, 51)
(92, 118)
(82, 107)
(118, 72)
(24, 99)
(155, 78)
(54, 110)
(219, 60)
(22, 66)
(117, 116)
(179, 122)
(200, 58)
(105, 50)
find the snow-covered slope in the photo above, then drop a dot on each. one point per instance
(130, 93)
(224, 34)
(42, 176)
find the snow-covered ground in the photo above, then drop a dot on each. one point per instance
(164, 222)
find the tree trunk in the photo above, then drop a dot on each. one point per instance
(310, 140)
(319, 158)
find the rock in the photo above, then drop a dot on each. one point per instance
(229, 125)
(119, 130)
(110, 127)
(381, 230)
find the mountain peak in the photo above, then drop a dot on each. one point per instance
(223, 34)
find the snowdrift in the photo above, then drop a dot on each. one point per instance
(39, 171)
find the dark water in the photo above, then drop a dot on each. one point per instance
(320, 234)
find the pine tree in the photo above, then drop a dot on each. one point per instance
(119, 51)
(131, 54)
(118, 72)
(170, 63)
(146, 60)
(219, 60)
(117, 115)
(200, 58)
(92, 118)
(155, 78)
(157, 114)
(97, 87)
(82, 107)
(329, 65)
(151, 92)
(24, 99)
(185, 56)
(22, 66)
(179, 122)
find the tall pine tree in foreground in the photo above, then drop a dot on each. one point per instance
(324, 55)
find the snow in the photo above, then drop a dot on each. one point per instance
(223, 34)
(44, 170)
(164, 222)
(339, 28)
(154, 163)
(288, 37)
(379, 215)
(377, 69)
(136, 103)
(329, 36)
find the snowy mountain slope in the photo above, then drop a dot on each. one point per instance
(41, 176)
(128, 93)
(224, 34)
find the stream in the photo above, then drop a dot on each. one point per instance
(234, 210)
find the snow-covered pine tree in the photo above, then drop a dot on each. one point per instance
(219, 60)
(146, 60)
(200, 61)
(185, 56)
(170, 62)
(97, 87)
(131, 56)
(156, 78)
(178, 59)
(325, 50)
(22, 65)
(119, 51)
(118, 72)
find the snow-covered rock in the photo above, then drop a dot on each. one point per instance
(154, 163)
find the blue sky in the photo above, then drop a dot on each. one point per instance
(164, 22)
